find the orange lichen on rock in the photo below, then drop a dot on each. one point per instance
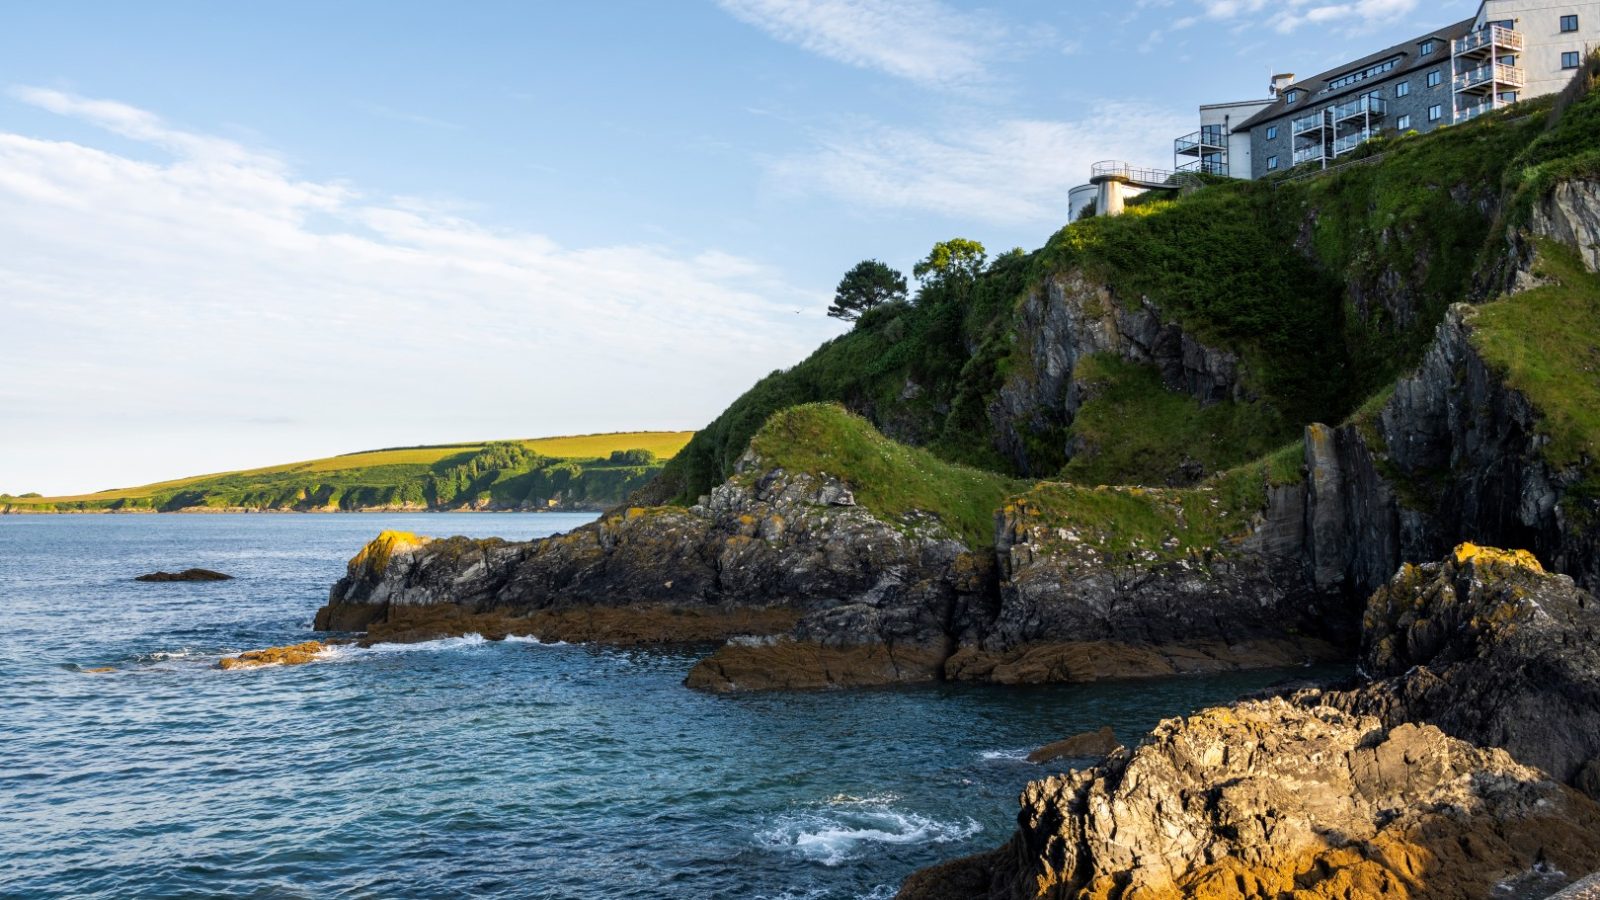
(375, 556)
(1522, 559)
(99, 670)
(292, 655)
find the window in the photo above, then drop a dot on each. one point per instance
(1403, 123)
(1435, 77)
(1427, 47)
(1272, 132)
(1291, 97)
(1570, 60)
(1402, 89)
(1369, 72)
(1435, 113)
(1508, 97)
(1569, 23)
(1272, 163)
(1507, 24)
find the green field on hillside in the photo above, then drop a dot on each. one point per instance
(578, 471)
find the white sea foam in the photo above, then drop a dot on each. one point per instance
(843, 828)
(468, 641)
(530, 639)
(1018, 755)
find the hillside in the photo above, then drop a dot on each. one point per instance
(576, 472)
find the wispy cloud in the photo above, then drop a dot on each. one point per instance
(1287, 16)
(213, 281)
(923, 41)
(1012, 172)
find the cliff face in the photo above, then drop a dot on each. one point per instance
(1068, 318)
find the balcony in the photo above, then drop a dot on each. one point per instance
(1361, 106)
(1308, 124)
(1200, 142)
(1492, 38)
(1492, 76)
(1205, 167)
(1468, 113)
(1343, 145)
(1309, 154)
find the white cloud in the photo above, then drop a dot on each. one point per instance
(212, 289)
(1012, 172)
(1287, 16)
(919, 40)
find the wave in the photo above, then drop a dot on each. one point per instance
(1016, 755)
(469, 641)
(843, 828)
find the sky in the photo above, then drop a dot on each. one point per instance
(235, 235)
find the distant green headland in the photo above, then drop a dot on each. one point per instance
(559, 473)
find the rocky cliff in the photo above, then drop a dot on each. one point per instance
(1441, 777)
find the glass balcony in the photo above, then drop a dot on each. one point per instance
(1491, 38)
(1309, 154)
(1200, 142)
(1205, 167)
(1306, 124)
(1343, 145)
(1361, 106)
(1470, 112)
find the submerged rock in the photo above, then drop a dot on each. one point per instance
(292, 655)
(1089, 745)
(185, 575)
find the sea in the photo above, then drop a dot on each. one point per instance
(460, 767)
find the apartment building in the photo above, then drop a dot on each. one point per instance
(1511, 50)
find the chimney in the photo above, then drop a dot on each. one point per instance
(1279, 82)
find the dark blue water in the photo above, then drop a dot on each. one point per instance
(459, 767)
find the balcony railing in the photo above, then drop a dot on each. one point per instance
(1308, 154)
(1493, 36)
(1200, 141)
(1112, 168)
(1204, 167)
(1343, 145)
(1309, 123)
(1492, 74)
(1361, 106)
(1468, 113)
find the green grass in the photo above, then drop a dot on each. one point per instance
(1138, 525)
(1545, 343)
(580, 468)
(1133, 430)
(889, 479)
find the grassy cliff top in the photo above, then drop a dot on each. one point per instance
(887, 478)
(384, 465)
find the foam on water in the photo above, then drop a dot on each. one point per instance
(842, 828)
(1012, 755)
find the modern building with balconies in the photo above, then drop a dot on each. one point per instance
(1511, 50)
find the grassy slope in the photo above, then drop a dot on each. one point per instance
(375, 471)
(888, 478)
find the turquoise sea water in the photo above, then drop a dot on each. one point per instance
(458, 767)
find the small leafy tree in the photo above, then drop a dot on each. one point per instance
(957, 258)
(870, 283)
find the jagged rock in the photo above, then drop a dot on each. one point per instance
(1089, 745)
(185, 575)
(1492, 649)
(1268, 799)
(1570, 213)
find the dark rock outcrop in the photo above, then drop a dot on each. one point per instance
(1492, 649)
(185, 575)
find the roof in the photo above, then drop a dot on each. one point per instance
(1409, 61)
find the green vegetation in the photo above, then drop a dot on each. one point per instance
(957, 258)
(1136, 524)
(868, 284)
(1545, 343)
(602, 470)
(889, 479)
(1133, 430)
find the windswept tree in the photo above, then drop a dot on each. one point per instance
(870, 283)
(955, 259)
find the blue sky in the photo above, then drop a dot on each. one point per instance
(240, 234)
